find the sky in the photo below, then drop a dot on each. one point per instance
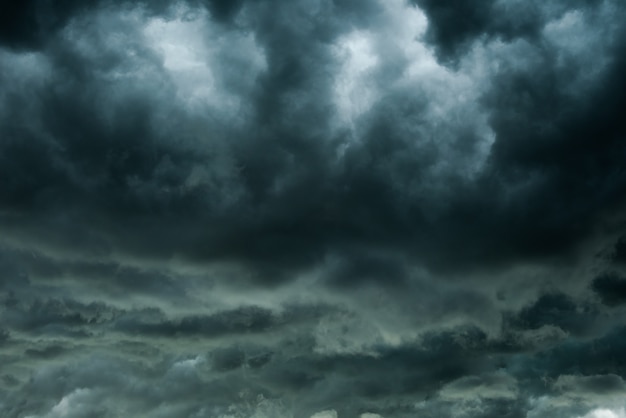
(313, 209)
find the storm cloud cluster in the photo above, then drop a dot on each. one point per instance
(313, 208)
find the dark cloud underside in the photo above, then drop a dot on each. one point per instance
(317, 208)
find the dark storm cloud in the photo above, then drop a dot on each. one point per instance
(31, 24)
(280, 203)
(126, 171)
(447, 370)
(560, 311)
(27, 24)
(455, 25)
(587, 358)
(611, 288)
(605, 384)
(52, 316)
(56, 317)
(242, 320)
(46, 352)
(235, 209)
(619, 251)
(544, 143)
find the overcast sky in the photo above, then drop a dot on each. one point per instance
(313, 208)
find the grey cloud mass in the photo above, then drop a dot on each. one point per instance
(313, 208)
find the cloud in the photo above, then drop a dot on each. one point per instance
(489, 387)
(611, 288)
(605, 413)
(619, 251)
(325, 414)
(605, 385)
(76, 404)
(165, 159)
(264, 209)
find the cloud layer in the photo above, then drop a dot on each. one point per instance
(312, 209)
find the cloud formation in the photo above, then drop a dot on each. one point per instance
(319, 208)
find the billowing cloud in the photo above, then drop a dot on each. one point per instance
(318, 208)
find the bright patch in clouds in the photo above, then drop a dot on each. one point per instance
(606, 413)
(203, 62)
(325, 414)
(354, 89)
